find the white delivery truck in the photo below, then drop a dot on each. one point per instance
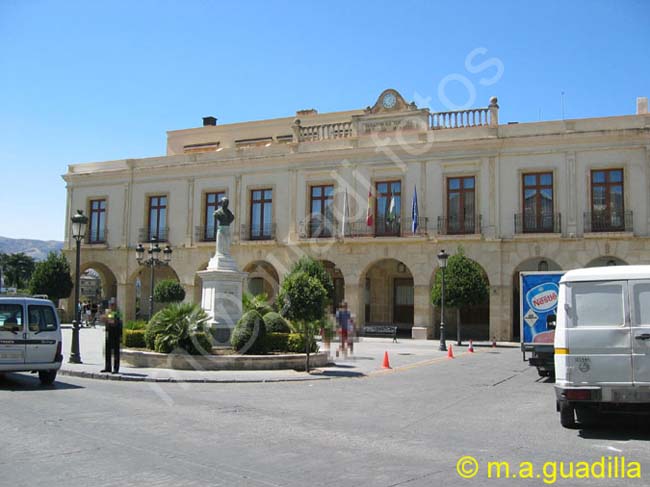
(602, 343)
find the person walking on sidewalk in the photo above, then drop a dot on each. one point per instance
(342, 322)
(113, 334)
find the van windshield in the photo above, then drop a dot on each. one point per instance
(597, 304)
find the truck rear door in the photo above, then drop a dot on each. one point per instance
(42, 334)
(599, 337)
(12, 339)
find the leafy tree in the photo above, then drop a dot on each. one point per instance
(17, 269)
(316, 269)
(52, 277)
(169, 291)
(465, 283)
(303, 299)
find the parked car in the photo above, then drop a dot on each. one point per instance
(602, 343)
(30, 337)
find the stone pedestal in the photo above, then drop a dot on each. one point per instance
(221, 298)
(419, 333)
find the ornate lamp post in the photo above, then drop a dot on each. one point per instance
(152, 261)
(442, 262)
(79, 222)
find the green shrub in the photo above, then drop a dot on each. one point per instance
(133, 338)
(275, 323)
(199, 343)
(169, 291)
(135, 325)
(249, 333)
(176, 327)
(296, 343)
(277, 342)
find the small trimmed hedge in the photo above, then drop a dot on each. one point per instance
(275, 323)
(133, 338)
(296, 343)
(135, 325)
(249, 334)
(287, 342)
(196, 344)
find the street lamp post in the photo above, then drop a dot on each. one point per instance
(79, 222)
(442, 262)
(151, 262)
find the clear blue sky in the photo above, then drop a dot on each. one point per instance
(92, 80)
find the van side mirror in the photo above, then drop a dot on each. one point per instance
(551, 322)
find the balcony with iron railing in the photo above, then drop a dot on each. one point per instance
(611, 220)
(205, 233)
(318, 227)
(470, 225)
(147, 234)
(384, 227)
(538, 223)
(255, 231)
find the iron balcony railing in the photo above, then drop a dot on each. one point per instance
(205, 234)
(318, 227)
(149, 234)
(608, 221)
(256, 231)
(543, 223)
(384, 227)
(457, 226)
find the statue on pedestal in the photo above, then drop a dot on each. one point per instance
(224, 218)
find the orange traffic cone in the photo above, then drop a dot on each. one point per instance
(450, 352)
(471, 347)
(386, 364)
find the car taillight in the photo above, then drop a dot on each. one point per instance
(578, 394)
(58, 357)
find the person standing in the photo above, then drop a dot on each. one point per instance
(113, 334)
(342, 322)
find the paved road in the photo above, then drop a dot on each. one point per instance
(403, 428)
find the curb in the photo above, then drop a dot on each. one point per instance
(171, 380)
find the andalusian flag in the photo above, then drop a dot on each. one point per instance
(414, 211)
(369, 212)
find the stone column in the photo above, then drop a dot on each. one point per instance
(354, 298)
(494, 112)
(126, 300)
(500, 312)
(422, 326)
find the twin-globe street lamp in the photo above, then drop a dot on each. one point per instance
(79, 222)
(442, 263)
(153, 261)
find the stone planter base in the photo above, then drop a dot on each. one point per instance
(136, 358)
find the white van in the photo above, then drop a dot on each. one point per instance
(602, 343)
(30, 337)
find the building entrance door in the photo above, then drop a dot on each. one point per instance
(403, 301)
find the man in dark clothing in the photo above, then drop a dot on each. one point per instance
(113, 333)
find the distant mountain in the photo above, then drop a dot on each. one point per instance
(38, 249)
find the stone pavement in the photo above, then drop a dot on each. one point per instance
(366, 360)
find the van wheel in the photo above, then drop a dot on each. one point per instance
(47, 376)
(567, 416)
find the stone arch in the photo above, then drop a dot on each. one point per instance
(604, 261)
(474, 320)
(387, 290)
(532, 264)
(107, 287)
(141, 281)
(262, 278)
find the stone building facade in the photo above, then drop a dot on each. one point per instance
(528, 196)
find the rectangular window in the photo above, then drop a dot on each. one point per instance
(261, 211)
(607, 212)
(11, 317)
(321, 222)
(211, 204)
(97, 230)
(157, 218)
(538, 202)
(641, 300)
(597, 304)
(41, 318)
(461, 217)
(388, 208)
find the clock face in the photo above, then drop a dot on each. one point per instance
(389, 100)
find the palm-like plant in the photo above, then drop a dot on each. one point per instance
(258, 302)
(174, 326)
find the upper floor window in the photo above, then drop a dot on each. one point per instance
(607, 211)
(261, 214)
(461, 208)
(157, 218)
(388, 208)
(538, 202)
(97, 229)
(321, 221)
(211, 204)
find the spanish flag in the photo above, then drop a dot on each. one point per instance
(369, 212)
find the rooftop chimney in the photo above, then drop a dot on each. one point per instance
(209, 121)
(642, 105)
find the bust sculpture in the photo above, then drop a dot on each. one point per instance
(224, 218)
(223, 215)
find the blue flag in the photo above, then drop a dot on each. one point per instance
(414, 211)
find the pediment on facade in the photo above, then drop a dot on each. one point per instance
(390, 101)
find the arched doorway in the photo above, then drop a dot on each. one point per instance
(262, 279)
(540, 264)
(388, 295)
(141, 281)
(606, 261)
(97, 285)
(339, 283)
